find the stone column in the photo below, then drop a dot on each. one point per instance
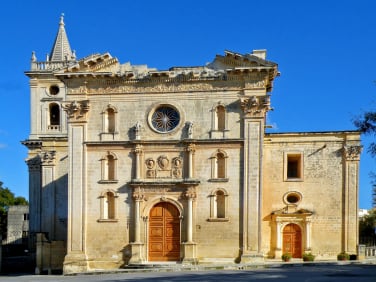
(191, 150)
(137, 247)
(138, 151)
(254, 111)
(189, 246)
(76, 258)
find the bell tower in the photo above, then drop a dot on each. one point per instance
(48, 144)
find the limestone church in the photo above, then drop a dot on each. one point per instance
(133, 165)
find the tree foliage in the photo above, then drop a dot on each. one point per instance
(367, 225)
(7, 198)
(366, 124)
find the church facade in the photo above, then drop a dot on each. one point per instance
(132, 165)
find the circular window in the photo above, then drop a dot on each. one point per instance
(292, 198)
(165, 118)
(54, 89)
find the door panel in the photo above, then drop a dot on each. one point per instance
(292, 240)
(164, 233)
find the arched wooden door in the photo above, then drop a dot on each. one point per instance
(292, 240)
(164, 233)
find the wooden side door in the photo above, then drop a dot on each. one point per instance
(292, 240)
(164, 233)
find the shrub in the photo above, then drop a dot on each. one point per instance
(343, 256)
(308, 257)
(286, 256)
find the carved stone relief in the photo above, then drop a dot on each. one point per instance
(162, 167)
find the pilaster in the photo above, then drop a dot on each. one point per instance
(351, 157)
(76, 259)
(254, 110)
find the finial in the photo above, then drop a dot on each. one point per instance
(62, 19)
(33, 57)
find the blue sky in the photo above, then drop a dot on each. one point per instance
(326, 52)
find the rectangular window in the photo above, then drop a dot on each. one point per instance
(294, 166)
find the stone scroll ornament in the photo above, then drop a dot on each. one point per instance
(77, 109)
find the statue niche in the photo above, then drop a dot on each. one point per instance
(163, 167)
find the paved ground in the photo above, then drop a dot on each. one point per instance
(280, 273)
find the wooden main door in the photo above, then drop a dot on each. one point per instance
(292, 240)
(164, 233)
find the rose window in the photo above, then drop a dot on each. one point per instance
(165, 119)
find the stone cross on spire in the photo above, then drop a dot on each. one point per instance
(61, 50)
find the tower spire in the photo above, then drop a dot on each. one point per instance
(61, 50)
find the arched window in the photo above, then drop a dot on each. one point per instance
(219, 165)
(54, 112)
(221, 118)
(108, 206)
(109, 167)
(109, 123)
(110, 120)
(218, 205)
(219, 121)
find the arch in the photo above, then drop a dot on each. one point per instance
(292, 240)
(155, 200)
(164, 232)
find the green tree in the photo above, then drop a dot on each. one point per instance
(367, 226)
(366, 124)
(7, 199)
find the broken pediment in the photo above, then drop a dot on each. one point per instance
(232, 60)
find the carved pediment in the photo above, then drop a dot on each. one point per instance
(95, 63)
(233, 60)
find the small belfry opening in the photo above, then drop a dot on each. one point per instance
(54, 110)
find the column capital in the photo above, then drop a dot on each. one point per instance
(191, 148)
(34, 163)
(76, 110)
(47, 157)
(352, 153)
(190, 193)
(138, 149)
(255, 106)
(138, 195)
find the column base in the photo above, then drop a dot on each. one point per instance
(136, 253)
(278, 253)
(252, 257)
(189, 251)
(75, 263)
